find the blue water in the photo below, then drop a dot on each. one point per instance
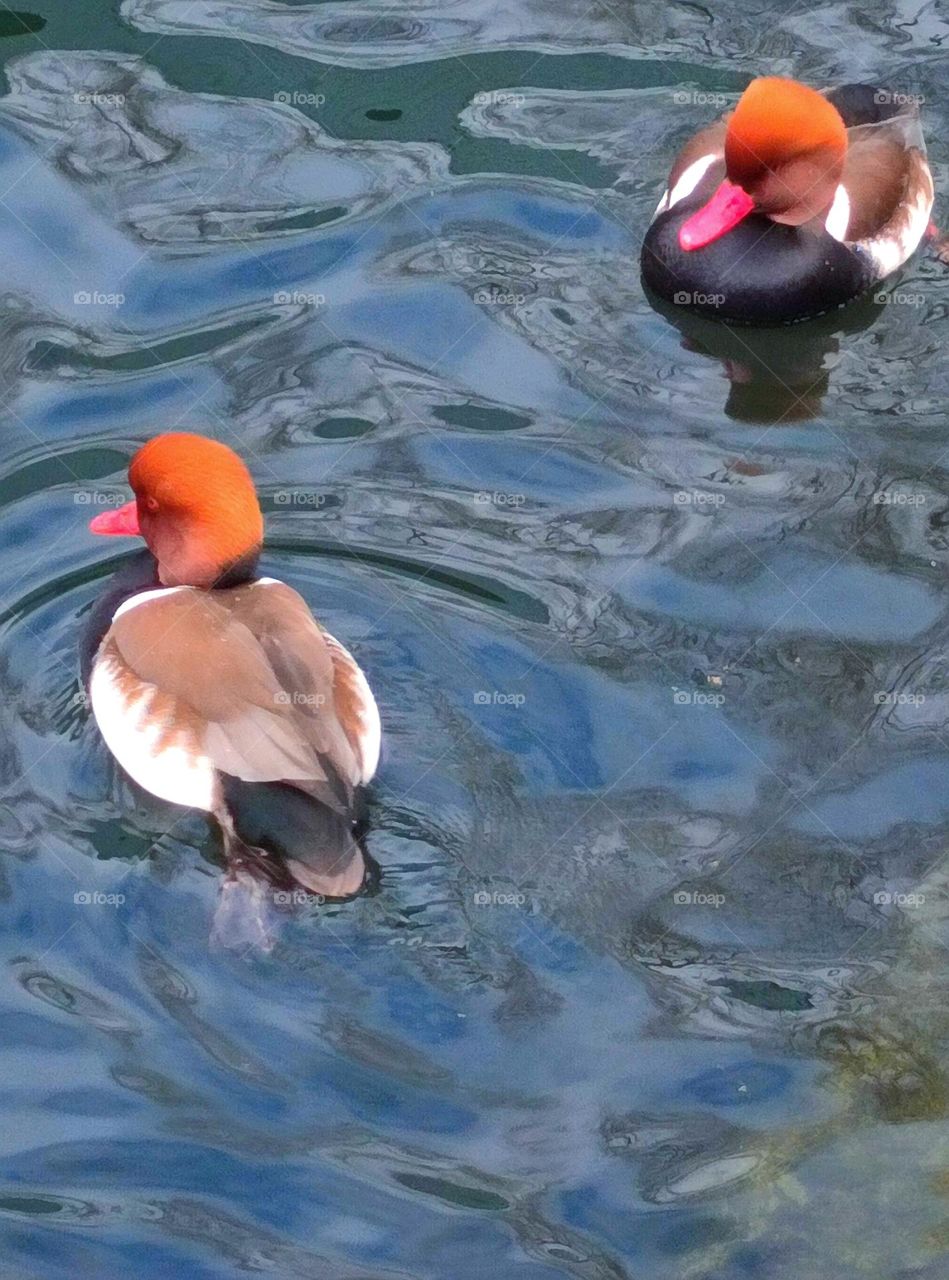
(653, 983)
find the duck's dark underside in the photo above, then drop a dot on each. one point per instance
(760, 273)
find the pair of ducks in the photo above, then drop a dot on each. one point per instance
(217, 689)
(792, 205)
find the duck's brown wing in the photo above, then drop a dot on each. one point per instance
(305, 657)
(190, 683)
(885, 176)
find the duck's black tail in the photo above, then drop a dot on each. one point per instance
(868, 104)
(283, 850)
(290, 839)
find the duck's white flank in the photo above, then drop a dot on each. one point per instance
(901, 236)
(138, 740)
(689, 179)
(838, 217)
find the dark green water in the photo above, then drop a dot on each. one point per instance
(654, 982)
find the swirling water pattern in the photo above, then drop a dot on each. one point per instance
(653, 982)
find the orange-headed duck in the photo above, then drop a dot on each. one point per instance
(217, 689)
(791, 205)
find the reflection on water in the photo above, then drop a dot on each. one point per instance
(653, 982)
(771, 380)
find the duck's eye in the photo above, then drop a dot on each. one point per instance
(151, 504)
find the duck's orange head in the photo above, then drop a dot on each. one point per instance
(196, 507)
(784, 156)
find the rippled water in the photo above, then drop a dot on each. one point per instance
(653, 984)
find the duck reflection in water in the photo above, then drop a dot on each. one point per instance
(775, 375)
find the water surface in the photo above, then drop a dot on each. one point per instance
(653, 983)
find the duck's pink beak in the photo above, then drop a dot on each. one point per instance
(123, 520)
(725, 210)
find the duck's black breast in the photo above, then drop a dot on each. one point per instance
(761, 272)
(139, 573)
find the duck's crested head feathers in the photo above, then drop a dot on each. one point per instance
(785, 145)
(197, 509)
